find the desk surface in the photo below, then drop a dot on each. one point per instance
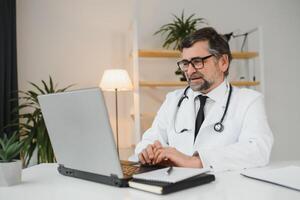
(44, 182)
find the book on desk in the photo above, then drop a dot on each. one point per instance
(164, 181)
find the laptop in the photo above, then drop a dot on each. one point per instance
(82, 138)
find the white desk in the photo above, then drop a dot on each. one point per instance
(44, 182)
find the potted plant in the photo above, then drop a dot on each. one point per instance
(10, 168)
(177, 30)
(31, 123)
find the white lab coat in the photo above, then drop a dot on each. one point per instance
(245, 142)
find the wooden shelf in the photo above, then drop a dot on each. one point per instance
(244, 83)
(244, 55)
(146, 115)
(180, 84)
(176, 54)
(162, 84)
(159, 53)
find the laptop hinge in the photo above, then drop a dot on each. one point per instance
(116, 181)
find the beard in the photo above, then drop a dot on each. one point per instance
(203, 86)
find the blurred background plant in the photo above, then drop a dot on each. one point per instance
(179, 28)
(31, 123)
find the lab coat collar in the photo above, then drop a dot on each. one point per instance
(219, 92)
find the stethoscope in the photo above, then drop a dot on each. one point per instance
(218, 127)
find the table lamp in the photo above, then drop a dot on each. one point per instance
(116, 80)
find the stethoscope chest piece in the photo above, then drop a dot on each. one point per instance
(219, 127)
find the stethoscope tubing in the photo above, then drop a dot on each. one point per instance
(218, 127)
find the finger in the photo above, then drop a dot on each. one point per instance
(157, 144)
(141, 158)
(156, 154)
(160, 157)
(146, 154)
(150, 152)
(146, 157)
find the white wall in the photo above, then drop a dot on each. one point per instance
(281, 25)
(74, 41)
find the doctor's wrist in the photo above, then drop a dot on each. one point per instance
(196, 162)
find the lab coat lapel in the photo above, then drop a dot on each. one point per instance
(186, 114)
(186, 120)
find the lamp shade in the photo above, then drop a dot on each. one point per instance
(115, 79)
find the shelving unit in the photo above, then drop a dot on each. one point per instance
(183, 84)
(176, 54)
(247, 56)
(142, 53)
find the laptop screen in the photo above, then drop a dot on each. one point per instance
(80, 132)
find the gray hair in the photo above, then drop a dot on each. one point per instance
(218, 45)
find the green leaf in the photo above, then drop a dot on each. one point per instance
(190, 18)
(29, 152)
(2, 144)
(12, 139)
(51, 85)
(46, 87)
(2, 155)
(66, 88)
(11, 150)
(37, 87)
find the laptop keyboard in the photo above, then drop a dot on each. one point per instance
(129, 170)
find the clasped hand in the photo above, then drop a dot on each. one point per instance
(157, 154)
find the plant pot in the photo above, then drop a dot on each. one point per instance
(10, 173)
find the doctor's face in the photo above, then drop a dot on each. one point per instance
(205, 75)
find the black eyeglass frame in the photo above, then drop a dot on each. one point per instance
(191, 62)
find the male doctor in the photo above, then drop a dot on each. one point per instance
(210, 123)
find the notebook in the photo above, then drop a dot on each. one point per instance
(286, 176)
(177, 174)
(159, 182)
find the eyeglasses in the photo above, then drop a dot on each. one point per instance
(197, 63)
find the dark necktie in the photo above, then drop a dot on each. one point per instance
(200, 115)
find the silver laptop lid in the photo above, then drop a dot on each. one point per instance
(80, 131)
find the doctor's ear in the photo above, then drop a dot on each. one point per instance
(224, 63)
